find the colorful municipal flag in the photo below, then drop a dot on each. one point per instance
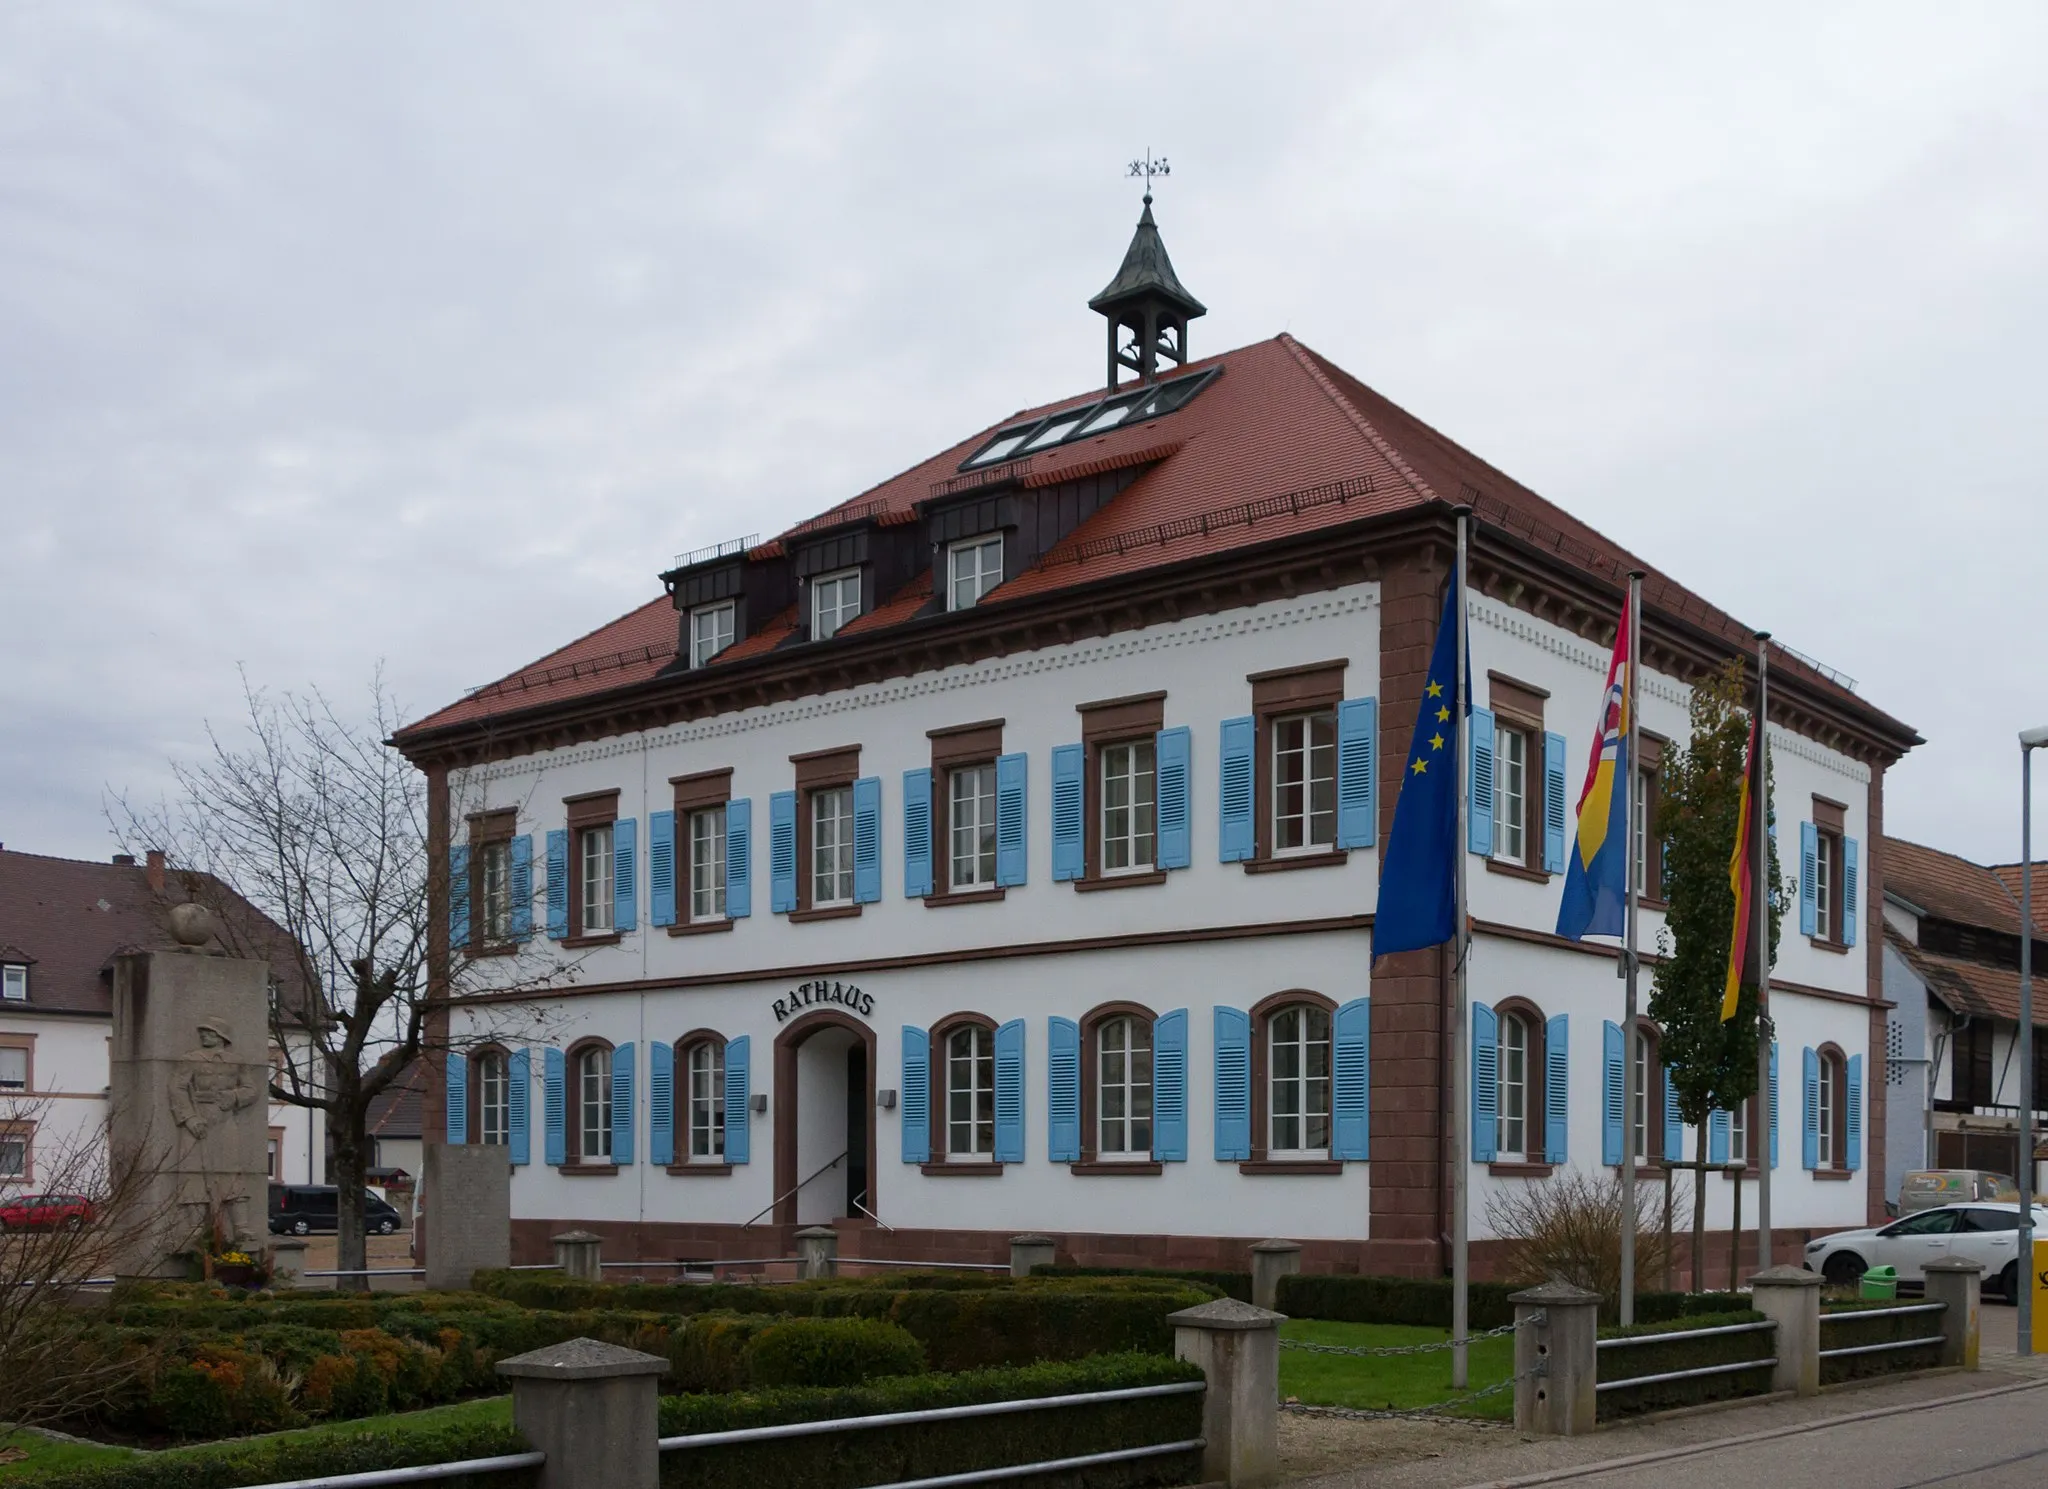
(1745, 953)
(1596, 877)
(1418, 904)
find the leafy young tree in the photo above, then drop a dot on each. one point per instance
(1711, 1065)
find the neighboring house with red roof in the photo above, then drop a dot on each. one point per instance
(393, 1125)
(1019, 819)
(62, 923)
(1952, 958)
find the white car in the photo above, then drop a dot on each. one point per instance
(1985, 1231)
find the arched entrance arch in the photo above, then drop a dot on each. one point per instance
(824, 1098)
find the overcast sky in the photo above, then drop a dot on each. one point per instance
(430, 333)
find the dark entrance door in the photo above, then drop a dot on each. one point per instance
(859, 1113)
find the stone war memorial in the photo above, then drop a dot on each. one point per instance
(188, 1099)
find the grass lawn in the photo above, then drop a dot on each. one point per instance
(1390, 1380)
(42, 1453)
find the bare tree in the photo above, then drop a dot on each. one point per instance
(308, 838)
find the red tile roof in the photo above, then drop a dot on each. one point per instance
(1952, 888)
(1965, 986)
(1283, 443)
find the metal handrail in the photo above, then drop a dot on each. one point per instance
(416, 1474)
(1050, 1465)
(798, 1188)
(932, 1414)
(1695, 1373)
(1752, 1328)
(1853, 1314)
(877, 1261)
(370, 1272)
(1878, 1349)
(885, 1225)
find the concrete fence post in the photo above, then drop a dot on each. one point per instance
(579, 1254)
(817, 1247)
(1272, 1260)
(1027, 1252)
(1954, 1280)
(1790, 1298)
(594, 1409)
(1557, 1360)
(1238, 1348)
(287, 1263)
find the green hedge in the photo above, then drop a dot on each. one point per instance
(1853, 1331)
(1236, 1285)
(1425, 1302)
(928, 1450)
(225, 1465)
(1683, 1354)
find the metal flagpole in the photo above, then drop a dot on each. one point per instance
(2024, 1303)
(1461, 942)
(1759, 1143)
(1629, 826)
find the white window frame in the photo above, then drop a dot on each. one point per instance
(1308, 766)
(594, 1105)
(1639, 829)
(1639, 1128)
(1302, 1084)
(704, 1072)
(493, 1098)
(595, 866)
(494, 873)
(971, 827)
(22, 1171)
(14, 982)
(14, 1087)
(970, 1105)
(1123, 1080)
(1738, 1133)
(1824, 1126)
(969, 574)
(706, 878)
(1823, 884)
(1127, 840)
(1511, 1095)
(1511, 794)
(833, 806)
(712, 630)
(829, 620)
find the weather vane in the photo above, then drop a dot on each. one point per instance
(1148, 168)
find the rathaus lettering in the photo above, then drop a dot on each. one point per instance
(810, 994)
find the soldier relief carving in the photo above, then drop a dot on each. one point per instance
(206, 1093)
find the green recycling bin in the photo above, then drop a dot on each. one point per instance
(1881, 1283)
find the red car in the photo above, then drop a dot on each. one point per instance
(45, 1212)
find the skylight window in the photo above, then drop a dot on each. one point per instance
(1113, 412)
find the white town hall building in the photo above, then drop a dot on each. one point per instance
(996, 852)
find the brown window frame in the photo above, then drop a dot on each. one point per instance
(1653, 1110)
(700, 791)
(574, 1160)
(1650, 769)
(1830, 821)
(1835, 1063)
(940, 1068)
(1092, 1161)
(1517, 708)
(685, 1166)
(958, 747)
(1133, 719)
(1284, 693)
(276, 1137)
(1262, 1014)
(489, 830)
(9, 1040)
(835, 769)
(1533, 1164)
(589, 810)
(475, 1095)
(26, 1131)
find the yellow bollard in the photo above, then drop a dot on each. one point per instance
(2041, 1297)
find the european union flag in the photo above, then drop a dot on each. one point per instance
(1419, 871)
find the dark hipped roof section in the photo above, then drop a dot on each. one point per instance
(1945, 887)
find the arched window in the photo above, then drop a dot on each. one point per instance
(964, 1103)
(590, 1103)
(1513, 1103)
(1297, 1048)
(700, 1100)
(1831, 1110)
(1123, 1088)
(1647, 1121)
(490, 1096)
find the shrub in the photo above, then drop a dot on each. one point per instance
(1569, 1229)
(831, 1352)
(223, 1465)
(1424, 1302)
(1683, 1354)
(1842, 1329)
(1236, 1285)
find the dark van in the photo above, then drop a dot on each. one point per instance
(298, 1209)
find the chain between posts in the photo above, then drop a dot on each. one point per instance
(1435, 1408)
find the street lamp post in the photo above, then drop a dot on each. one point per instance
(2030, 741)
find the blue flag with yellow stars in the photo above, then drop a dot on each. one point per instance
(1418, 872)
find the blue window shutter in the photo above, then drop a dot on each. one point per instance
(521, 887)
(558, 884)
(458, 895)
(739, 1094)
(1557, 1089)
(661, 869)
(1351, 1084)
(1063, 1090)
(1173, 752)
(1357, 787)
(1485, 1084)
(739, 858)
(915, 1101)
(1011, 820)
(1237, 837)
(1010, 1092)
(1774, 1103)
(554, 1111)
(1612, 1122)
(1809, 1103)
(458, 1097)
(782, 852)
(867, 840)
(622, 1105)
(1170, 1087)
(1069, 770)
(1849, 880)
(1553, 803)
(1233, 1085)
(1674, 1124)
(518, 1104)
(1717, 1137)
(625, 874)
(1479, 820)
(661, 1103)
(917, 833)
(1809, 872)
(1852, 1108)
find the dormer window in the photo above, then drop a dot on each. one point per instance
(14, 982)
(973, 568)
(711, 631)
(835, 600)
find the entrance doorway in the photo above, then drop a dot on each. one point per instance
(824, 1120)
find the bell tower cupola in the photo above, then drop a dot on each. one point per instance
(1146, 305)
